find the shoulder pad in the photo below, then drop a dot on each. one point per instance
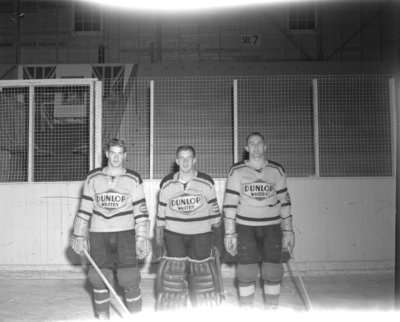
(236, 166)
(135, 174)
(166, 178)
(94, 171)
(205, 176)
(277, 165)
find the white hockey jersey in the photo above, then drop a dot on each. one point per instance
(257, 197)
(113, 203)
(188, 208)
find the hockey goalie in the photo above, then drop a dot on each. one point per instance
(188, 237)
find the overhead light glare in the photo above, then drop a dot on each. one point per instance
(182, 5)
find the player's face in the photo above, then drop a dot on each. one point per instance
(116, 156)
(186, 161)
(256, 147)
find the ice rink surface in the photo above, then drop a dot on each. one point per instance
(352, 297)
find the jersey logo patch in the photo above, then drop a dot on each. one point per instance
(143, 208)
(287, 197)
(215, 207)
(186, 203)
(258, 190)
(111, 200)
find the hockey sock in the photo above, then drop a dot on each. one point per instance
(101, 302)
(133, 298)
(271, 294)
(246, 293)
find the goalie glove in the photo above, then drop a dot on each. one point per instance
(143, 244)
(79, 239)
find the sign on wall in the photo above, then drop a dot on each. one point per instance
(250, 40)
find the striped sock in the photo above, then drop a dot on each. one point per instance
(133, 298)
(246, 293)
(271, 294)
(101, 301)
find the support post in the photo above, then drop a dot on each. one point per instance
(235, 122)
(151, 129)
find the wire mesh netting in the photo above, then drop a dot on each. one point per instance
(281, 109)
(353, 128)
(13, 135)
(60, 133)
(196, 111)
(126, 115)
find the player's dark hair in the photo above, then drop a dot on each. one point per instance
(186, 148)
(255, 134)
(116, 142)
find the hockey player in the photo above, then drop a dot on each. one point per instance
(113, 220)
(188, 224)
(258, 222)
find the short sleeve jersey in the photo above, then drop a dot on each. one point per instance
(188, 208)
(113, 204)
(257, 197)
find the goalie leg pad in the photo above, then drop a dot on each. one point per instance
(272, 272)
(204, 282)
(172, 283)
(247, 273)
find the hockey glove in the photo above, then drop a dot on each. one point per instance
(79, 240)
(143, 244)
(79, 243)
(143, 247)
(287, 238)
(230, 242)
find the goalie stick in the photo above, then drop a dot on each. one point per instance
(219, 272)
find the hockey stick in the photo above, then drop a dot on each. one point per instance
(90, 259)
(219, 272)
(292, 261)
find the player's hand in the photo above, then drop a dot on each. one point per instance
(143, 247)
(230, 242)
(288, 240)
(79, 243)
(157, 253)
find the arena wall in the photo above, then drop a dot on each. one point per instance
(341, 225)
